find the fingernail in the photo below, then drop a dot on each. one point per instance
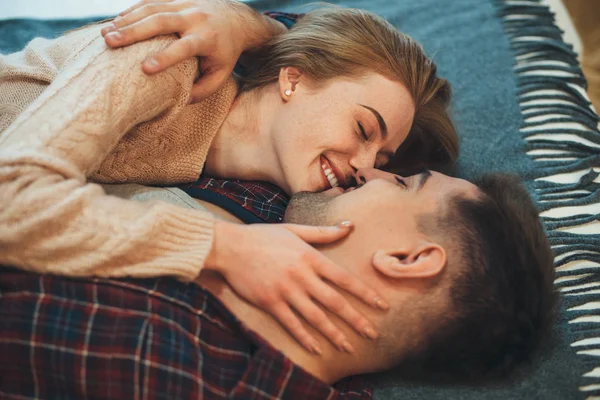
(151, 63)
(107, 29)
(116, 36)
(316, 349)
(381, 304)
(370, 332)
(191, 100)
(347, 347)
(346, 224)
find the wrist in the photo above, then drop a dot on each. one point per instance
(224, 234)
(271, 28)
(256, 28)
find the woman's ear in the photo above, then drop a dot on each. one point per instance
(425, 260)
(289, 77)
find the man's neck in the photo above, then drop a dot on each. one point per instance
(330, 367)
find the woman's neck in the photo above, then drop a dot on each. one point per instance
(242, 148)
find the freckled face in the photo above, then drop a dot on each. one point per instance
(322, 135)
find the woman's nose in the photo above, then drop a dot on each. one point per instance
(364, 159)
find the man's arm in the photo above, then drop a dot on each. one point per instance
(283, 20)
(216, 31)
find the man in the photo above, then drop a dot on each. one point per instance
(467, 271)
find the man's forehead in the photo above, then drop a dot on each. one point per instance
(453, 183)
(467, 189)
(441, 189)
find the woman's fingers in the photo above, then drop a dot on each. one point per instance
(319, 320)
(285, 277)
(331, 271)
(320, 234)
(286, 317)
(337, 304)
(350, 283)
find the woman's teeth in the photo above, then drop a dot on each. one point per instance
(330, 176)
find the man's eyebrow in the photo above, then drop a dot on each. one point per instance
(380, 121)
(423, 176)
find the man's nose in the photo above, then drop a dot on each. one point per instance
(365, 175)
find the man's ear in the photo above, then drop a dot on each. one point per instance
(289, 77)
(425, 260)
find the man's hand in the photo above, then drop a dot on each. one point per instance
(216, 31)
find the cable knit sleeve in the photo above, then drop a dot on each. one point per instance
(52, 220)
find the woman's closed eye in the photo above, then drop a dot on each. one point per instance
(363, 133)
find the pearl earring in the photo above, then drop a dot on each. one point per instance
(288, 92)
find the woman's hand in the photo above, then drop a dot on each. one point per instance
(274, 267)
(217, 31)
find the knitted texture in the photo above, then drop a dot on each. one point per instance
(74, 111)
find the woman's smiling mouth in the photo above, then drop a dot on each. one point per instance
(330, 176)
(328, 172)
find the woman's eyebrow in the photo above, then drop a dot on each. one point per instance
(380, 120)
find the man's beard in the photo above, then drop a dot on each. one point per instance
(308, 208)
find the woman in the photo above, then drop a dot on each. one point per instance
(340, 91)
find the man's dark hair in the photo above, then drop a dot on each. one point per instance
(502, 296)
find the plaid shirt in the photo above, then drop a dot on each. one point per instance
(287, 19)
(250, 201)
(64, 338)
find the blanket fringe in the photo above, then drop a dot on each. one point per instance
(560, 128)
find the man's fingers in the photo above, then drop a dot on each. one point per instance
(144, 11)
(182, 49)
(319, 320)
(286, 317)
(147, 28)
(320, 234)
(350, 283)
(133, 7)
(140, 14)
(337, 304)
(141, 4)
(208, 84)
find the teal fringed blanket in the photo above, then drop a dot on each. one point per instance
(519, 107)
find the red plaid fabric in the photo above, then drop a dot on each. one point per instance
(250, 201)
(288, 19)
(63, 338)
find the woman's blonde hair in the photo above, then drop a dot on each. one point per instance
(334, 41)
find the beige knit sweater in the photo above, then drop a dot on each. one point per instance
(74, 111)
